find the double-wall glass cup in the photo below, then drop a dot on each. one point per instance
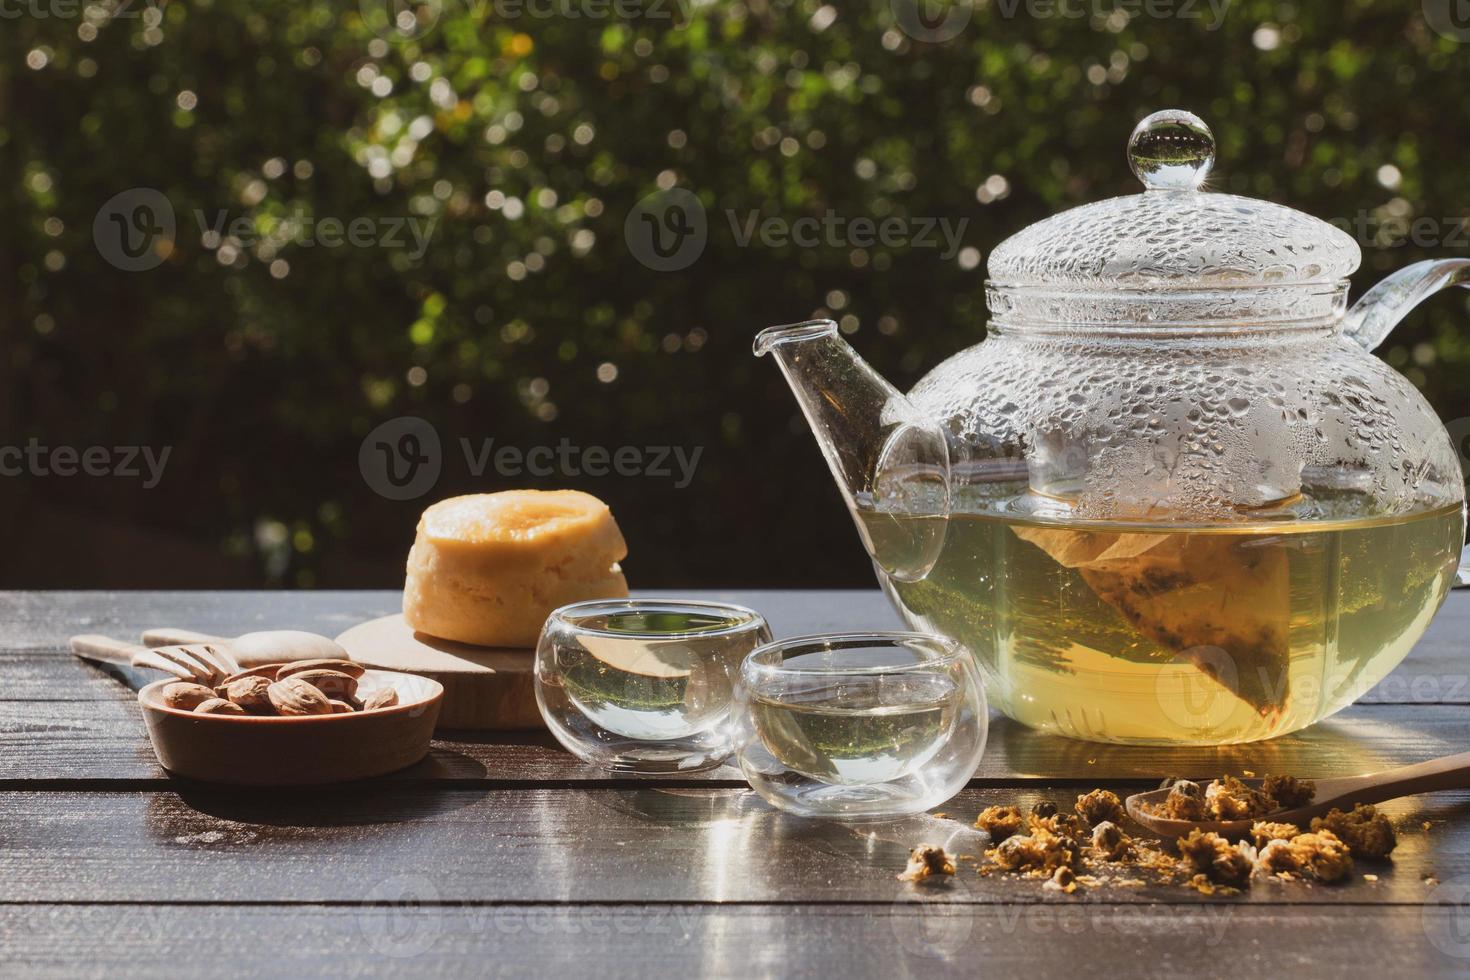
(861, 725)
(645, 686)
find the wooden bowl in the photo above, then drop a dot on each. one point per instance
(256, 750)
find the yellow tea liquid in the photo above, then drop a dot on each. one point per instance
(1206, 635)
(851, 738)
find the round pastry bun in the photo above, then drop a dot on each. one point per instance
(489, 568)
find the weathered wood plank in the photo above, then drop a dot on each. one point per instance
(565, 845)
(906, 938)
(42, 621)
(106, 740)
(34, 627)
(409, 843)
(1359, 739)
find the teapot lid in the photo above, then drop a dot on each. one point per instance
(1174, 241)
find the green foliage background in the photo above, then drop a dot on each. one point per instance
(265, 377)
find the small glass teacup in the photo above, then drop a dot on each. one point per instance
(861, 725)
(645, 686)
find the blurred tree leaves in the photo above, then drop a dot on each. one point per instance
(524, 141)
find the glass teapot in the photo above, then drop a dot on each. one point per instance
(1172, 498)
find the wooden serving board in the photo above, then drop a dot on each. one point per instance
(485, 688)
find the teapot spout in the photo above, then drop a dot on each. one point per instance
(891, 463)
(1381, 308)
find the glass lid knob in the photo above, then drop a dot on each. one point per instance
(1172, 150)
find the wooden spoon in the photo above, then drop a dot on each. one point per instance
(256, 649)
(202, 663)
(1450, 772)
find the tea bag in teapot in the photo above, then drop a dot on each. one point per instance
(1218, 601)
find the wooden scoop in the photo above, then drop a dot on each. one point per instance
(255, 649)
(1450, 772)
(206, 659)
(202, 663)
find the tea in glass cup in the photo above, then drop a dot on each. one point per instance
(861, 725)
(645, 686)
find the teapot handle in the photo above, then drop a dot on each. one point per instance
(1381, 308)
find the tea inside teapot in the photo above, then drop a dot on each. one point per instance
(1232, 632)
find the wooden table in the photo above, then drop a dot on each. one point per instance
(503, 855)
